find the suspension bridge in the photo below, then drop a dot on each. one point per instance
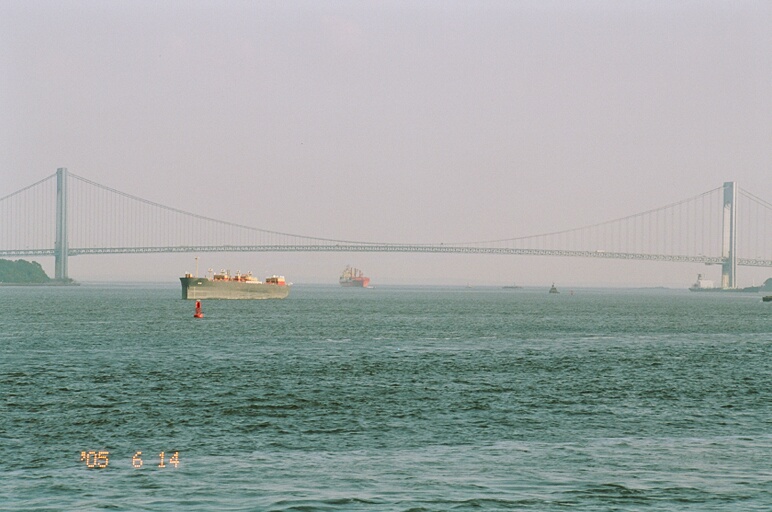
(66, 215)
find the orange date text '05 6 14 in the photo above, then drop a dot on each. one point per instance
(100, 459)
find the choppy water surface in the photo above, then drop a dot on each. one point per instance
(385, 399)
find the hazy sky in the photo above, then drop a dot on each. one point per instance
(414, 121)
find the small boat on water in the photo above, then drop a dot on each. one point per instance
(767, 298)
(553, 289)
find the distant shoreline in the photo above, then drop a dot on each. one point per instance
(50, 283)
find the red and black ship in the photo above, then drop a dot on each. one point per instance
(353, 278)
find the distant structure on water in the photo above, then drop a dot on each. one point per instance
(353, 278)
(706, 285)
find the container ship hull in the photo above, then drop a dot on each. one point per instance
(197, 288)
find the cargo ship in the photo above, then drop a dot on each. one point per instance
(223, 285)
(353, 278)
(705, 285)
(702, 285)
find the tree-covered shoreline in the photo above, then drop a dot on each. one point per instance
(22, 272)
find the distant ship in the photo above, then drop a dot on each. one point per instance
(553, 289)
(239, 286)
(353, 278)
(702, 285)
(705, 285)
(512, 287)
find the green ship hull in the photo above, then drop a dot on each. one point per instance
(198, 288)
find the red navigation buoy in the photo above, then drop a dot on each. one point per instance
(198, 313)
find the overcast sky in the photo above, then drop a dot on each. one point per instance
(414, 121)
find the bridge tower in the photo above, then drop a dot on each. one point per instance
(61, 248)
(729, 249)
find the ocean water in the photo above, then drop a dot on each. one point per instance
(387, 399)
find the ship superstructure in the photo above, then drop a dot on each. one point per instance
(353, 278)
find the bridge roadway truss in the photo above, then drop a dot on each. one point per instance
(401, 248)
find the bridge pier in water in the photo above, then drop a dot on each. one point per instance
(61, 247)
(729, 249)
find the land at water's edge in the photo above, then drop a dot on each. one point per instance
(22, 272)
